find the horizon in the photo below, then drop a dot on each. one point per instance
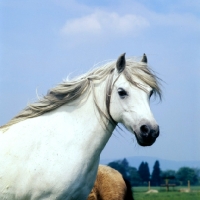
(137, 156)
(165, 164)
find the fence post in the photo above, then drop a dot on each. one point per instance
(188, 185)
(149, 185)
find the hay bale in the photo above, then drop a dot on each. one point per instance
(184, 190)
(152, 191)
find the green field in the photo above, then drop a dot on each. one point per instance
(139, 193)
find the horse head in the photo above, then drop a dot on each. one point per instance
(130, 100)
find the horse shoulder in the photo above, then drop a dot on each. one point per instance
(40, 158)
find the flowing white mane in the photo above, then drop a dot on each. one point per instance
(68, 91)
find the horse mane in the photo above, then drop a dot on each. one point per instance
(70, 90)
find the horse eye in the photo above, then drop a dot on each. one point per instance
(122, 93)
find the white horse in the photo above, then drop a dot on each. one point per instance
(51, 149)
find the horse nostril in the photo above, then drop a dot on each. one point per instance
(145, 130)
(156, 133)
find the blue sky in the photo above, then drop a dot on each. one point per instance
(41, 42)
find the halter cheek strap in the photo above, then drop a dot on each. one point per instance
(108, 96)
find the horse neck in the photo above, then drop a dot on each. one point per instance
(89, 122)
(99, 111)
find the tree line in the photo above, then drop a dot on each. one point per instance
(141, 176)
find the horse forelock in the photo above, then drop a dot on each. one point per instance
(68, 91)
(146, 74)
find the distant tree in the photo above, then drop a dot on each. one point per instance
(156, 174)
(135, 179)
(141, 170)
(197, 172)
(129, 173)
(125, 164)
(144, 173)
(168, 174)
(121, 166)
(186, 173)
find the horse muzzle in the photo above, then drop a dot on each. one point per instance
(147, 134)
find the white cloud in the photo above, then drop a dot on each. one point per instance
(105, 23)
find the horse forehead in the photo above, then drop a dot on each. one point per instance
(123, 82)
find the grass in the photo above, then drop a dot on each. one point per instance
(140, 194)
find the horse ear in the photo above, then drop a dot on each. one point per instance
(144, 58)
(121, 63)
